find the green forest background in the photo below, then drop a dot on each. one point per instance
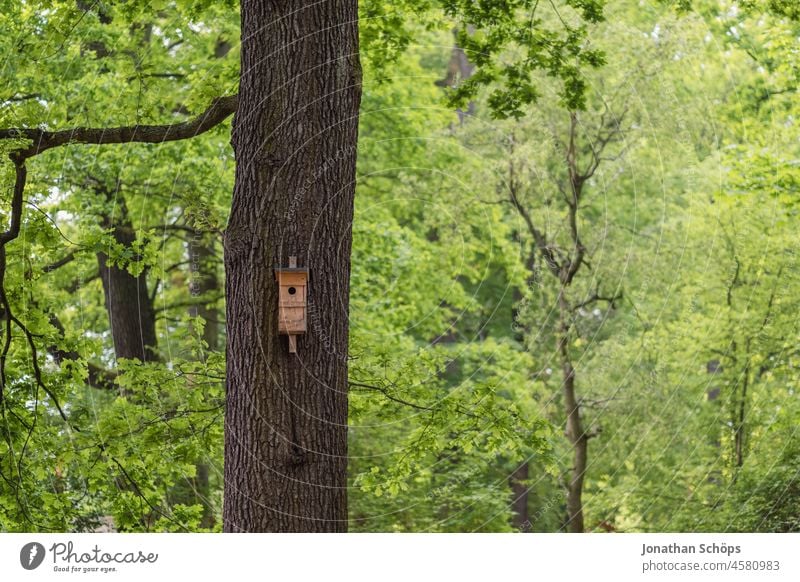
(680, 322)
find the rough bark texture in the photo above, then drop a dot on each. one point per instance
(294, 138)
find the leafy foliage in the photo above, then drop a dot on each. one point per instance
(683, 327)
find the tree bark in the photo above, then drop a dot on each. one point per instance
(294, 138)
(575, 433)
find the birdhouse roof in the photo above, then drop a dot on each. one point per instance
(292, 276)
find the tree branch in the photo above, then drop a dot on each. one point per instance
(540, 240)
(220, 109)
(37, 372)
(19, 98)
(389, 396)
(59, 263)
(16, 200)
(597, 297)
(576, 181)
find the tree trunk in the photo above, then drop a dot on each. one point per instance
(575, 433)
(294, 138)
(130, 311)
(739, 420)
(520, 520)
(519, 501)
(459, 69)
(204, 281)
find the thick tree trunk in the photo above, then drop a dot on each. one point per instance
(575, 433)
(294, 138)
(130, 311)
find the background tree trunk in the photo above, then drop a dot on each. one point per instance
(204, 282)
(575, 432)
(519, 498)
(130, 311)
(294, 138)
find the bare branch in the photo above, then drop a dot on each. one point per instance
(576, 180)
(546, 250)
(734, 282)
(157, 76)
(609, 131)
(59, 263)
(220, 109)
(20, 98)
(595, 297)
(16, 201)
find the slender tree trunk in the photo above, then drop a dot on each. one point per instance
(294, 138)
(741, 409)
(520, 520)
(565, 269)
(575, 433)
(519, 503)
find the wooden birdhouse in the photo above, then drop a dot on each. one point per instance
(292, 301)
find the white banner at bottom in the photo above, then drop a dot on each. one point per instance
(423, 557)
